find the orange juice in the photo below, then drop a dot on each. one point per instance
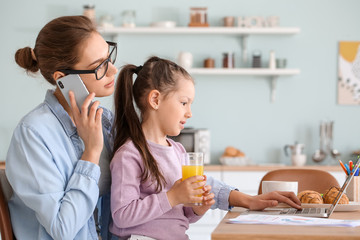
(191, 170)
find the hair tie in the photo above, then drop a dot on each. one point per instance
(33, 54)
(138, 69)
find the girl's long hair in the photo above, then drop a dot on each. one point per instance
(159, 74)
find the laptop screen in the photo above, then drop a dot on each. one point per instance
(344, 186)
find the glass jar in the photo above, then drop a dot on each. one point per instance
(198, 17)
(128, 18)
(228, 60)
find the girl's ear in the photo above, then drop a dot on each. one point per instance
(57, 75)
(154, 99)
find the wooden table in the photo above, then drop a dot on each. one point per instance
(227, 231)
(2, 165)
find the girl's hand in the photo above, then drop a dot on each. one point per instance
(184, 192)
(208, 200)
(89, 126)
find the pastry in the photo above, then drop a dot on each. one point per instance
(233, 152)
(331, 194)
(309, 196)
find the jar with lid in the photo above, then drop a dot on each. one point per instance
(128, 18)
(228, 60)
(198, 17)
(89, 11)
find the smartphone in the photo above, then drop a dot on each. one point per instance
(74, 83)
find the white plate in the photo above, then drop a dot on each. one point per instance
(352, 206)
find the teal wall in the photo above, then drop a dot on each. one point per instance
(236, 109)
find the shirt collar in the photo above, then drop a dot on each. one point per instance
(60, 113)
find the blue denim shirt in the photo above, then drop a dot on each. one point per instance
(55, 192)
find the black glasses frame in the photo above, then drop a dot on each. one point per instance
(106, 61)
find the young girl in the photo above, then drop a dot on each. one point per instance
(147, 197)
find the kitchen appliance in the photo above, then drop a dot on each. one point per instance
(195, 140)
(298, 158)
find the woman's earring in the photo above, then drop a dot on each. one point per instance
(156, 107)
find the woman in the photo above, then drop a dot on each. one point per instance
(53, 158)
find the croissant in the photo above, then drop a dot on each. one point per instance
(309, 196)
(331, 194)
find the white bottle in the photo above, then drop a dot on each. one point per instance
(185, 59)
(272, 61)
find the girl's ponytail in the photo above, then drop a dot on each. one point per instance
(127, 125)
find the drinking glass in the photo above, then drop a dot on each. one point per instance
(193, 165)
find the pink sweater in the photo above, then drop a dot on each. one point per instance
(136, 208)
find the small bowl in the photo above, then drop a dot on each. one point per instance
(238, 161)
(164, 24)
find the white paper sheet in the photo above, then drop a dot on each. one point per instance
(292, 220)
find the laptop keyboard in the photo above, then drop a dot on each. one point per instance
(302, 211)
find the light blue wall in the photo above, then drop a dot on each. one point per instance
(236, 109)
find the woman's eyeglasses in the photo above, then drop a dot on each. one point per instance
(100, 70)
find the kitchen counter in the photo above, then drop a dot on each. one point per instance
(269, 167)
(211, 168)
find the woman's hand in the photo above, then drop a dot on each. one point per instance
(272, 199)
(259, 202)
(187, 191)
(89, 126)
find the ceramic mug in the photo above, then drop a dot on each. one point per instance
(270, 186)
(298, 160)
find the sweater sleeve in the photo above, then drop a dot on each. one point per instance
(189, 213)
(63, 206)
(127, 207)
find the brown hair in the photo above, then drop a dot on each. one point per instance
(159, 74)
(57, 46)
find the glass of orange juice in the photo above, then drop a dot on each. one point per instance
(192, 165)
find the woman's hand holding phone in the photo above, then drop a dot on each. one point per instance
(89, 126)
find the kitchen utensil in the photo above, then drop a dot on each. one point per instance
(320, 154)
(334, 152)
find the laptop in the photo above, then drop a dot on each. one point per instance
(315, 211)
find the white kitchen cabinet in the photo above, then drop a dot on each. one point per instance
(242, 33)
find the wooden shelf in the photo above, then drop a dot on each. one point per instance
(199, 30)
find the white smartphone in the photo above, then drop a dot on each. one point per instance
(74, 83)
